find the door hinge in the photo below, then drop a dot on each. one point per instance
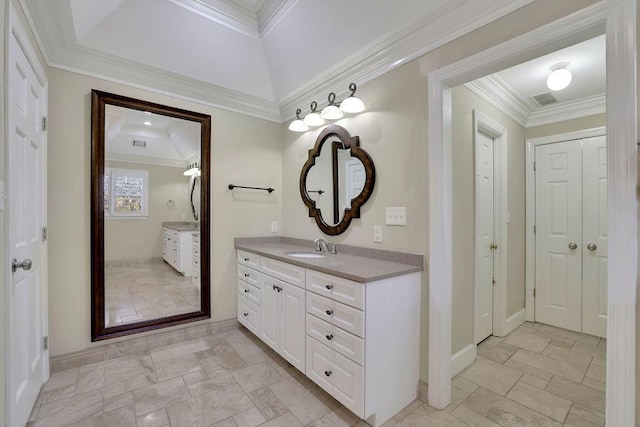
(534, 292)
(44, 123)
(534, 166)
(534, 229)
(44, 234)
(493, 281)
(45, 343)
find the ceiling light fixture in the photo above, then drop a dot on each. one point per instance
(333, 111)
(298, 125)
(313, 118)
(560, 77)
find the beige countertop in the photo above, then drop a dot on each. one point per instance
(181, 226)
(354, 267)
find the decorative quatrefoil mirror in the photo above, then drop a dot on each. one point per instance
(337, 179)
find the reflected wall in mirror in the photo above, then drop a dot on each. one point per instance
(150, 229)
(337, 179)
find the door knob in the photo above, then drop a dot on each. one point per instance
(592, 247)
(25, 265)
(493, 246)
(573, 246)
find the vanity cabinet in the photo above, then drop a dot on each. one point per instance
(176, 250)
(359, 341)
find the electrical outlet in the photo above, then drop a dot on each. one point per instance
(377, 233)
(274, 226)
(396, 216)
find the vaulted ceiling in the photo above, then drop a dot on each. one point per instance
(259, 57)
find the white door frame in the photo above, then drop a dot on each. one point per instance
(530, 238)
(488, 126)
(618, 18)
(17, 30)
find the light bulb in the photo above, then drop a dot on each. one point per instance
(313, 119)
(298, 126)
(352, 105)
(331, 112)
(559, 78)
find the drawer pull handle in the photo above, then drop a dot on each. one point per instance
(246, 274)
(246, 290)
(329, 287)
(245, 314)
(329, 312)
(275, 288)
(278, 288)
(246, 260)
(328, 373)
(329, 337)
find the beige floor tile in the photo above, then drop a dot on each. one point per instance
(598, 385)
(426, 416)
(578, 393)
(119, 417)
(249, 418)
(493, 353)
(529, 327)
(597, 372)
(528, 341)
(211, 384)
(588, 414)
(457, 397)
(407, 410)
(160, 395)
(58, 393)
(527, 369)
(492, 376)
(128, 368)
(209, 408)
(568, 356)
(269, 405)
(553, 366)
(118, 401)
(505, 411)
(71, 410)
(535, 381)
(564, 333)
(243, 345)
(128, 384)
(62, 379)
(300, 401)
(285, 420)
(540, 400)
(182, 365)
(591, 350)
(195, 377)
(464, 385)
(226, 423)
(342, 417)
(257, 376)
(177, 350)
(575, 421)
(472, 418)
(157, 418)
(90, 381)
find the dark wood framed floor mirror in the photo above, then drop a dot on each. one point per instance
(150, 177)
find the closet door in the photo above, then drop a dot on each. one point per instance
(594, 246)
(559, 234)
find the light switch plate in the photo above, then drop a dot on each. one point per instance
(377, 233)
(274, 226)
(396, 216)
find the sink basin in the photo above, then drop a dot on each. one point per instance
(305, 254)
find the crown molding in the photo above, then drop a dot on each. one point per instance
(562, 111)
(499, 94)
(443, 25)
(145, 160)
(270, 13)
(230, 14)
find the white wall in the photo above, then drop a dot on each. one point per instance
(244, 151)
(129, 238)
(582, 123)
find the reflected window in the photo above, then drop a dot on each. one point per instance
(126, 192)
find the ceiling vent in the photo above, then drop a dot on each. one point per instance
(139, 143)
(545, 98)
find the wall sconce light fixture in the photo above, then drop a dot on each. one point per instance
(192, 169)
(333, 111)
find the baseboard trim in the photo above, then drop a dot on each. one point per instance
(462, 359)
(423, 391)
(514, 321)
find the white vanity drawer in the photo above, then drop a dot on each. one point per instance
(249, 259)
(283, 271)
(250, 292)
(249, 314)
(337, 288)
(339, 376)
(171, 233)
(249, 275)
(348, 318)
(339, 340)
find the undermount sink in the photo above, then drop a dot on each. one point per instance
(305, 254)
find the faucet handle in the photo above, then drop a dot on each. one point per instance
(334, 249)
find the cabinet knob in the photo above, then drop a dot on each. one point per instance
(246, 274)
(329, 312)
(329, 287)
(329, 337)
(246, 290)
(246, 260)
(275, 288)
(328, 373)
(278, 288)
(245, 314)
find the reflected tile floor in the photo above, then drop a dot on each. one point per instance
(147, 290)
(537, 376)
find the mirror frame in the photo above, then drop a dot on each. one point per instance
(348, 141)
(99, 100)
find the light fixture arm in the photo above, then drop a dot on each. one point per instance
(352, 88)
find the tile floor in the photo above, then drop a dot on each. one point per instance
(146, 290)
(537, 376)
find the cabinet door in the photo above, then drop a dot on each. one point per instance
(271, 312)
(292, 346)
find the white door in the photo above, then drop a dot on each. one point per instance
(558, 281)
(484, 241)
(28, 361)
(270, 312)
(293, 325)
(594, 236)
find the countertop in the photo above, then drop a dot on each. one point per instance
(181, 226)
(349, 266)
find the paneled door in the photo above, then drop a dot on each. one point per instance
(484, 231)
(26, 327)
(571, 235)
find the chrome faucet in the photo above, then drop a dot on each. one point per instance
(321, 245)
